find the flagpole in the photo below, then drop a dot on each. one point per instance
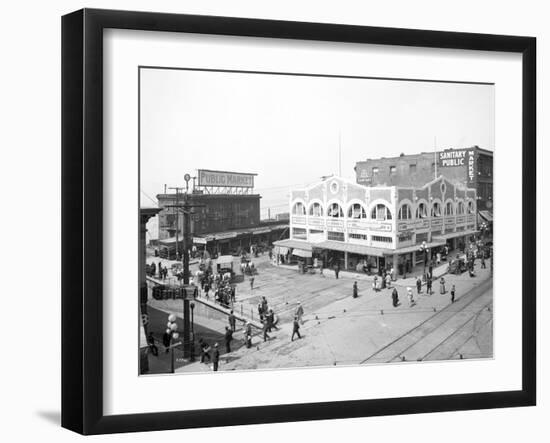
(435, 157)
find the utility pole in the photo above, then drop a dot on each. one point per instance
(177, 205)
(186, 213)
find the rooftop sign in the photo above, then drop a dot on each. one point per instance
(225, 179)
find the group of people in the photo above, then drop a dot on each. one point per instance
(152, 269)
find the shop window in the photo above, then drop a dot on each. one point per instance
(374, 171)
(404, 212)
(449, 208)
(393, 170)
(334, 210)
(358, 236)
(380, 238)
(316, 210)
(337, 236)
(316, 231)
(299, 209)
(407, 236)
(421, 211)
(436, 209)
(357, 211)
(381, 212)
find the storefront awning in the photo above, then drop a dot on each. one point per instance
(289, 243)
(445, 237)
(353, 248)
(486, 215)
(416, 248)
(281, 250)
(301, 253)
(224, 260)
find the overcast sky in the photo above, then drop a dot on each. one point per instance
(287, 129)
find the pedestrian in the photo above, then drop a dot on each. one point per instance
(228, 337)
(295, 329)
(205, 350)
(395, 297)
(271, 320)
(355, 290)
(216, 357)
(166, 339)
(232, 321)
(452, 293)
(248, 334)
(251, 283)
(206, 287)
(410, 297)
(152, 347)
(442, 290)
(153, 269)
(266, 329)
(375, 283)
(418, 285)
(260, 311)
(383, 280)
(160, 269)
(438, 258)
(299, 314)
(483, 265)
(429, 284)
(264, 304)
(388, 280)
(233, 298)
(337, 271)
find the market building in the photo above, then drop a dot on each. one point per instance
(472, 167)
(346, 224)
(225, 215)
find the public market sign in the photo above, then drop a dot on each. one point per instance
(452, 158)
(225, 179)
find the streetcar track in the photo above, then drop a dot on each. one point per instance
(481, 289)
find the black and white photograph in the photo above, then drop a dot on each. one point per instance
(291, 220)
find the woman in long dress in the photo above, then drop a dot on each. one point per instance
(442, 286)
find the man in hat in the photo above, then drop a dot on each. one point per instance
(355, 290)
(216, 357)
(418, 285)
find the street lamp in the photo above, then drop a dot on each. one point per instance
(192, 350)
(424, 248)
(172, 330)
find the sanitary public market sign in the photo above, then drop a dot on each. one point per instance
(225, 179)
(452, 158)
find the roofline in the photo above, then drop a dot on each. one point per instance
(475, 147)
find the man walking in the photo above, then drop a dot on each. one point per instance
(205, 350)
(265, 329)
(216, 357)
(295, 329)
(251, 282)
(429, 284)
(395, 297)
(337, 271)
(232, 321)
(355, 290)
(418, 285)
(452, 293)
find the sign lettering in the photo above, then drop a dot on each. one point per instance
(225, 179)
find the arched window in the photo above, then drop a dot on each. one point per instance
(357, 211)
(449, 208)
(436, 209)
(421, 210)
(316, 210)
(460, 208)
(299, 209)
(404, 212)
(334, 210)
(470, 207)
(380, 212)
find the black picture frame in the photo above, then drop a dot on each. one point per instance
(82, 220)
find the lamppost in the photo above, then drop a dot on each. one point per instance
(172, 330)
(192, 350)
(424, 249)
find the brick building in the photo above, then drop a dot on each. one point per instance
(472, 167)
